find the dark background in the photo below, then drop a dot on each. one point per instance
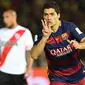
(29, 15)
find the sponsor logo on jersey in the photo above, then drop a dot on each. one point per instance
(61, 51)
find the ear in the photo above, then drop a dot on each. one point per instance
(59, 15)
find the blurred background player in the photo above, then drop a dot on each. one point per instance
(57, 41)
(15, 41)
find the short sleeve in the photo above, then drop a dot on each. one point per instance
(76, 33)
(28, 40)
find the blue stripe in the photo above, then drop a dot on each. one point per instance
(64, 67)
(74, 78)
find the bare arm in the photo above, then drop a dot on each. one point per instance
(37, 50)
(29, 66)
(77, 45)
(33, 54)
(30, 61)
(82, 43)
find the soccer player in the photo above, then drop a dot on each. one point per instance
(15, 42)
(61, 41)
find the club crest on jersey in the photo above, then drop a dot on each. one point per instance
(65, 36)
(57, 39)
(17, 36)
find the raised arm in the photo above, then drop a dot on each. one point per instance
(37, 50)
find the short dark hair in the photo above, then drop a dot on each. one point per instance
(52, 4)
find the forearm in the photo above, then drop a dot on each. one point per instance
(82, 45)
(29, 66)
(37, 50)
(46, 31)
(78, 45)
(30, 63)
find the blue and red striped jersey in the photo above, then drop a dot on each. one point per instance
(63, 60)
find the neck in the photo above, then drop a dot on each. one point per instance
(56, 26)
(15, 25)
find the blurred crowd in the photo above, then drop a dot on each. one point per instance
(30, 14)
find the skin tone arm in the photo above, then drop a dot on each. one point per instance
(30, 61)
(37, 50)
(78, 45)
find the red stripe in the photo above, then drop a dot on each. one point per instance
(8, 48)
(57, 39)
(67, 71)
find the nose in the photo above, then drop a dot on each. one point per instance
(48, 17)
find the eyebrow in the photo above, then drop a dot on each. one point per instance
(49, 13)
